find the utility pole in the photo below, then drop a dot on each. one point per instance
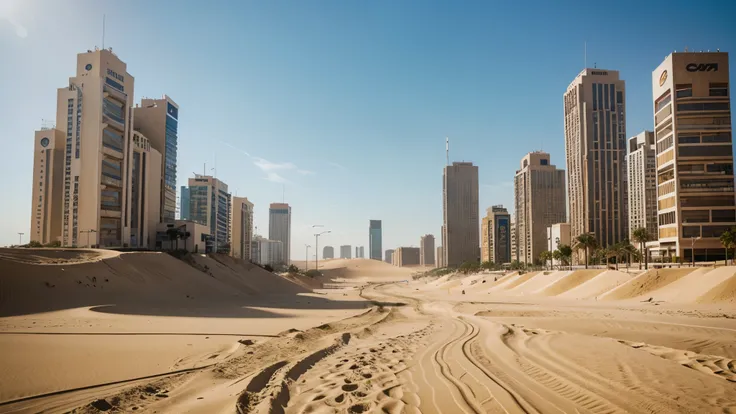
(307, 257)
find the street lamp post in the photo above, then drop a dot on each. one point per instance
(316, 243)
(692, 250)
(307, 256)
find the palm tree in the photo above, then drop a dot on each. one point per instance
(641, 236)
(557, 255)
(565, 252)
(184, 235)
(545, 256)
(587, 242)
(631, 251)
(174, 235)
(728, 238)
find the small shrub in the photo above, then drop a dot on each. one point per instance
(268, 268)
(313, 273)
(293, 269)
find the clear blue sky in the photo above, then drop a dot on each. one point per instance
(347, 102)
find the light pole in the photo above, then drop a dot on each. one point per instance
(316, 243)
(20, 238)
(307, 256)
(692, 250)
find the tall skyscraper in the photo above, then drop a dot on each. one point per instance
(642, 178)
(158, 120)
(539, 198)
(279, 227)
(267, 252)
(184, 202)
(241, 234)
(48, 179)
(143, 192)
(328, 252)
(357, 252)
(595, 148)
(374, 239)
(692, 120)
(426, 250)
(406, 256)
(361, 252)
(460, 213)
(439, 257)
(514, 237)
(94, 111)
(210, 205)
(495, 236)
(345, 251)
(389, 256)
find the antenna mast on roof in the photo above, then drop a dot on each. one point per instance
(447, 149)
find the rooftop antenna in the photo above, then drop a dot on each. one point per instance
(103, 31)
(447, 149)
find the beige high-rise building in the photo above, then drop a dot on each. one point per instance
(642, 178)
(241, 235)
(48, 179)
(440, 257)
(558, 234)
(144, 192)
(94, 112)
(406, 256)
(539, 198)
(495, 236)
(210, 204)
(158, 120)
(389, 256)
(595, 149)
(426, 250)
(514, 236)
(460, 236)
(695, 181)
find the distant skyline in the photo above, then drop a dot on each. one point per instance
(342, 108)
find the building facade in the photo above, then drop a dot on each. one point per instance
(539, 202)
(439, 256)
(642, 177)
(144, 192)
(375, 246)
(361, 252)
(268, 252)
(328, 252)
(279, 227)
(595, 150)
(184, 202)
(48, 181)
(460, 213)
(345, 252)
(426, 250)
(495, 236)
(406, 256)
(514, 236)
(158, 120)
(241, 235)
(693, 133)
(558, 234)
(210, 205)
(389, 256)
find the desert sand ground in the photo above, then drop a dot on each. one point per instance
(154, 334)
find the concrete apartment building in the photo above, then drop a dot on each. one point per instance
(196, 242)
(557, 234)
(389, 256)
(48, 181)
(495, 236)
(406, 256)
(279, 227)
(184, 202)
(642, 177)
(359, 252)
(144, 192)
(210, 204)
(595, 149)
(328, 252)
(158, 120)
(695, 182)
(439, 257)
(426, 250)
(460, 213)
(267, 252)
(539, 202)
(345, 252)
(375, 247)
(241, 233)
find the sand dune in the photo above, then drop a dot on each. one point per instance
(645, 284)
(539, 282)
(569, 281)
(364, 269)
(598, 285)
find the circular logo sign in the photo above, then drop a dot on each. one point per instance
(88, 67)
(663, 78)
(44, 142)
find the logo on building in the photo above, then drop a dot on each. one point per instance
(702, 67)
(44, 142)
(115, 75)
(663, 78)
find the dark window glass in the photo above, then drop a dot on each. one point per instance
(714, 201)
(619, 97)
(684, 91)
(595, 97)
(611, 95)
(544, 162)
(714, 231)
(114, 84)
(706, 185)
(695, 216)
(688, 139)
(690, 231)
(726, 169)
(706, 151)
(721, 137)
(718, 89)
(708, 106)
(605, 97)
(724, 216)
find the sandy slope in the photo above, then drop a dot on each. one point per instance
(416, 347)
